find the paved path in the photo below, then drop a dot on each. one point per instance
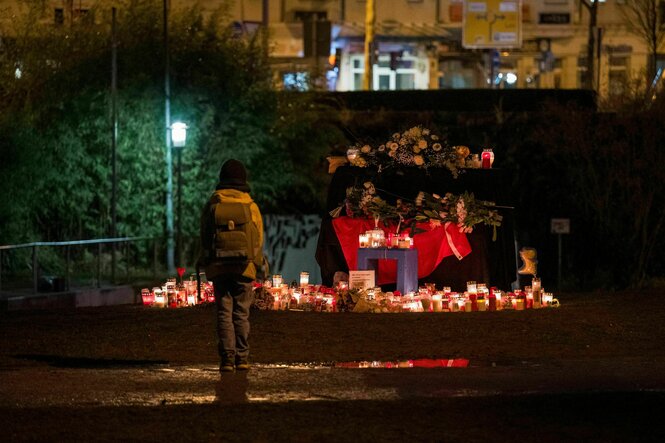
(39, 385)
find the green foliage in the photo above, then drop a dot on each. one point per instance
(55, 125)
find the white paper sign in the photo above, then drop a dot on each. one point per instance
(361, 279)
(560, 226)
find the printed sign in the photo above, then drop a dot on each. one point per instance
(361, 279)
(560, 226)
(552, 18)
(492, 24)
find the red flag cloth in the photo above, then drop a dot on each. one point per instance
(433, 245)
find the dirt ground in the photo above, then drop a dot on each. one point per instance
(598, 333)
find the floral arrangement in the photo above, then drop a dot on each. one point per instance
(417, 147)
(359, 300)
(463, 210)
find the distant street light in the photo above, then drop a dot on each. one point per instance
(179, 138)
(179, 134)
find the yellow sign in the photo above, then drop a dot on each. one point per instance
(492, 24)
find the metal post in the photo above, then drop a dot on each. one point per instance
(179, 209)
(67, 267)
(99, 265)
(35, 270)
(170, 242)
(558, 273)
(599, 44)
(369, 45)
(154, 259)
(114, 138)
(127, 261)
(0, 270)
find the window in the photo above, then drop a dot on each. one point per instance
(405, 81)
(296, 81)
(457, 74)
(59, 16)
(618, 76)
(582, 71)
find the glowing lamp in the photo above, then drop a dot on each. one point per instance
(178, 134)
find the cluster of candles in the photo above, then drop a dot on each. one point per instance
(477, 297)
(302, 296)
(177, 295)
(376, 238)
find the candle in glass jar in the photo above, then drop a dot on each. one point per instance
(487, 158)
(453, 305)
(304, 279)
(172, 298)
(499, 299)
(276, 280)
(536, 290)
(471, 287)
(147, 297)
(436, 302)
(363, 240)
(158, 297)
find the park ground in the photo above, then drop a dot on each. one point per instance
(590, 370)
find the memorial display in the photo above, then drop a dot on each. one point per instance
(405, 233)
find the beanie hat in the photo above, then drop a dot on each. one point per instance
(233, 175)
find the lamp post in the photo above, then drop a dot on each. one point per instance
(170, 259)
(179, 138)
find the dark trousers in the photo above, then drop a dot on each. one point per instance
(233, 297)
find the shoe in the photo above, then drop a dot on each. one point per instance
(242, 365)
(226, 367)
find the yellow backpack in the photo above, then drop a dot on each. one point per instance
(236, 238)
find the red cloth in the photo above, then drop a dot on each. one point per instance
(433, 245)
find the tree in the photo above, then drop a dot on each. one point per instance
(645, 19)
(607, 170)
(55, 126)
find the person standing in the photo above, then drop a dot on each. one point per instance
(231, 254)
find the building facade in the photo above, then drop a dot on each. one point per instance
(418, 43)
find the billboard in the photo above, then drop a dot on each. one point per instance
(492, 24)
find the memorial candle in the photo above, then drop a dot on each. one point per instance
(436, 302)
(147, 297)
(536, 291)
(158, 297)
(304, 279)
(487, 158)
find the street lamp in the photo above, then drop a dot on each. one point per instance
(179, 134)
(178, 139)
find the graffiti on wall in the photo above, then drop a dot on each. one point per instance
(286, 233)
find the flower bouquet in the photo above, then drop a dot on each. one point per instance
(417, 147)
